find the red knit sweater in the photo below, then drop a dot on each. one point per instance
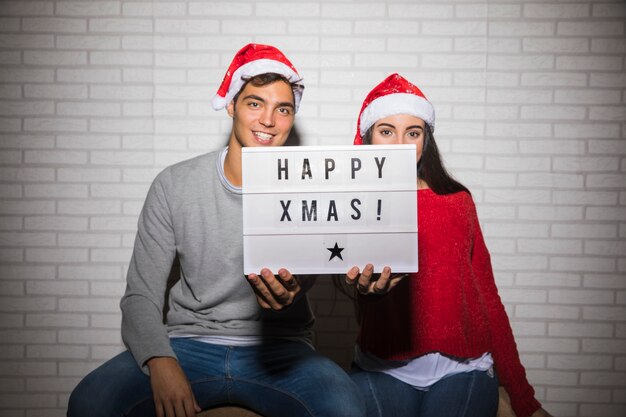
(452, 304)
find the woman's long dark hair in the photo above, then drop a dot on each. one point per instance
(430, 169)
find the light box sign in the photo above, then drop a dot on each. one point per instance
(325, 209)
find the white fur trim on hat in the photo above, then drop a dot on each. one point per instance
(249, 70)
(398, 103)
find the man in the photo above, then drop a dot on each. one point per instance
(224, 341)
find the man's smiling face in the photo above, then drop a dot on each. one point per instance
(263, 115)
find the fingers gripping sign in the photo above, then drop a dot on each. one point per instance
(369, 283)
(274, 291)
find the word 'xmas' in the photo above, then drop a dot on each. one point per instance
(329, 166)
(309, 212)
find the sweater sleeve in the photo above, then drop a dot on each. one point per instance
(509, 368)
(143, 330)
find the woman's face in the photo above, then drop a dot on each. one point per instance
(399, 129)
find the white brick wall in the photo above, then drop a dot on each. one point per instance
(97, 96)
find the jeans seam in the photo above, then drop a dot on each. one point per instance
(369, 384)
(227, 376)
(130, 410)
(469, 392)
(289, 394)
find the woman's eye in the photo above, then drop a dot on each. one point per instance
(385, 132)
(414, 135)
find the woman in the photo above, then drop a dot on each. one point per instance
(428, 344)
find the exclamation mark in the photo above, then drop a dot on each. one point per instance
(380, 203)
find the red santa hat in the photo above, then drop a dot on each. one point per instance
(394, 95)
(251, 60)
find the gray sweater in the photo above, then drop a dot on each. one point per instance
(192, 211)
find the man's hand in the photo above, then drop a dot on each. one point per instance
(274, 292)
(364, 283)
(172, 393)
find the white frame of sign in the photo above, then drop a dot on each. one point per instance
(324, 209)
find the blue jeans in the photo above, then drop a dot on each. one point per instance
(472, 394)
(282, 378)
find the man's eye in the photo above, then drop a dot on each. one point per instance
(285, 111)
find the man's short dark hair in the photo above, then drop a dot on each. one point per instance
(267, 79)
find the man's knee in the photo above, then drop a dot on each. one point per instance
(340, 395)
(347, 403)
(109, 389)
(81, 401)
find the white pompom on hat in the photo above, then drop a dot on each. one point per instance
(394, 95)
(251, 60)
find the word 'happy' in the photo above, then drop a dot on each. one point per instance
(329, 166)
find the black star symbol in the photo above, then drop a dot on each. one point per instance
(335, 251)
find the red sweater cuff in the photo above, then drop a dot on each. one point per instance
(524, 408)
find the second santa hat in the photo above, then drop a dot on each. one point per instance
(251, 60)
(394, 95)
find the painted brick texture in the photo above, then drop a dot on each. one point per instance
(97, 96)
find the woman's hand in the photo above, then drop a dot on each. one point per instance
(366, 285)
